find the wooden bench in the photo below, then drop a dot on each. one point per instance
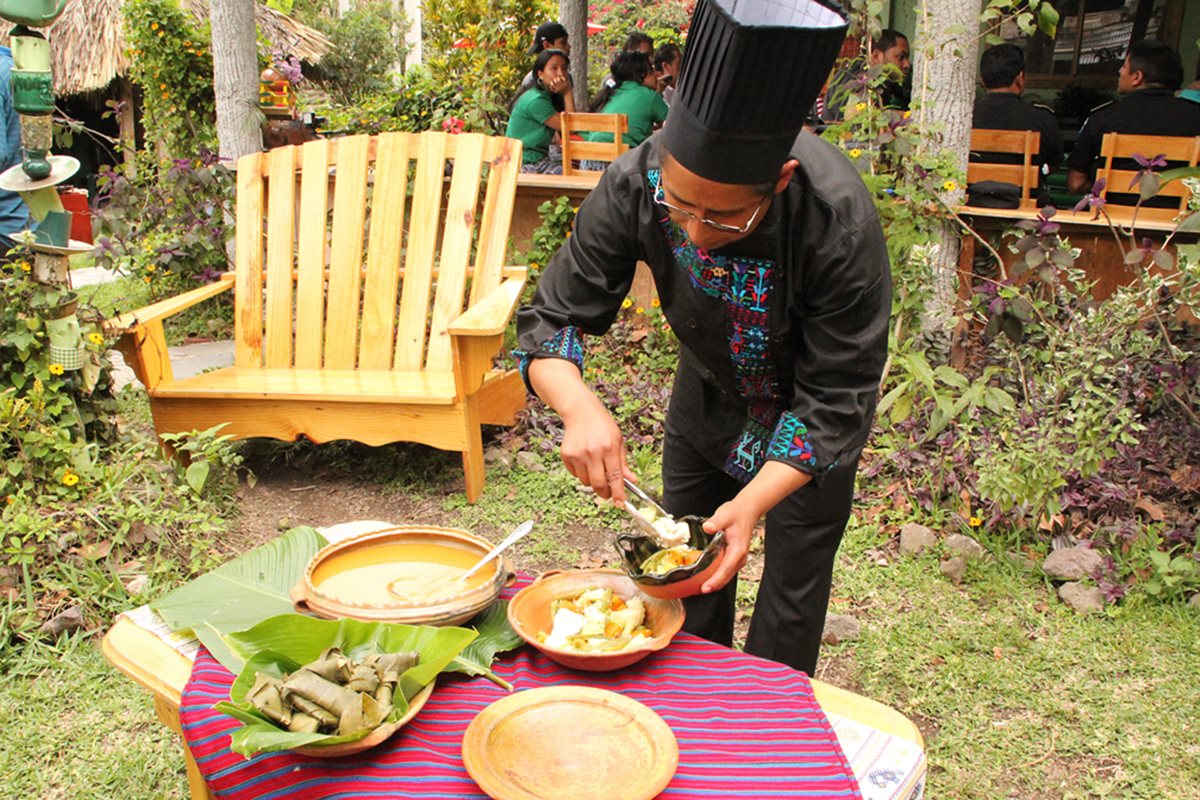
(1118, 150)
(365, 310)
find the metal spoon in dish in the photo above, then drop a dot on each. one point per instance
(518, 533)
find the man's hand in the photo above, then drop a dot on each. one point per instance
(593, 448)
(738, 517)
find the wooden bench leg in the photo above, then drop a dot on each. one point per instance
(168, 714)
(473, 468)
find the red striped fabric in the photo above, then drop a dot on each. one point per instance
(747, 728)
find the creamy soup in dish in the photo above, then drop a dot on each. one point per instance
(398, 575)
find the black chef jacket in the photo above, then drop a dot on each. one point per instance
(1005, 111)
(783, 333)
(1150, 112)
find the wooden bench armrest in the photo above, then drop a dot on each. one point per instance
(156, 312)
(490, 315)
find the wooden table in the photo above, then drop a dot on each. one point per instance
(1101, 257)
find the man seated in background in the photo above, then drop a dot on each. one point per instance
(636, 42)
(666, 69)
(890, 48)
(1149, 78)
(1002, 70)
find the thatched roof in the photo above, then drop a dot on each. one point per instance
(88, 46)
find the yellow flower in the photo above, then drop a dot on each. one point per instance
(906, 114)
(855, 153)
(146, 279)
(976, 522)
(533, 265)
(26, 266)
(860, 106)
(95, 338)
(153, 26)
(639, 310)
(10, 500)
(949, 186)
(56, 369)
(655, 303)
(150, 268)
(69, 478)
(162, 86)
(626, 303)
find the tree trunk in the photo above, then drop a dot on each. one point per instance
(573, 15)
(412, 35)
(944, 74)
(235, 77)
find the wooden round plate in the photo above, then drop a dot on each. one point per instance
(371, 739)
(570, 741)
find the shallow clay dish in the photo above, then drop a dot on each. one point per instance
(529, 614)
(356, 577)
(574, 742)
(635, 548)
(373, 738)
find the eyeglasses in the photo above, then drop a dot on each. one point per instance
(676, 211)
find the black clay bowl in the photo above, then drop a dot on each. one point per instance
(635, 548)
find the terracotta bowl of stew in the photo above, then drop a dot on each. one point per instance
(529, 613)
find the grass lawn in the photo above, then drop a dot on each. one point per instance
(1017, 696)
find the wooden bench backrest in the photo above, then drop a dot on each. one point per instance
(1179, 151)
(574, 150)
(347, 258)
(1021, 143)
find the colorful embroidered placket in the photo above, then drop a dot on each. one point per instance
(744, 285)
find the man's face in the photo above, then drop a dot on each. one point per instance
(1128, 79)
(896, 55)
(702, 199)
(559, 44)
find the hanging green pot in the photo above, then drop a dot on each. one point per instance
(35, 13)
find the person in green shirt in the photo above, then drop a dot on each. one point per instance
(634, 96)
(535, 113)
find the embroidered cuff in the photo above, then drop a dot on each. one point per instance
(790, 442)
(566, 344)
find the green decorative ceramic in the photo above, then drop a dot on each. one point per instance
(34, 13)
(37, 166)
(32, 92)
(55, 229)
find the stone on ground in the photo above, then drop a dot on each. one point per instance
(68, 621)
(840, 628)
(1072, 563)
(1082, 598)
(953, 568)
(916, 539)
(964, 546)
(530, 462)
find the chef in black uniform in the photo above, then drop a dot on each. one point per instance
(769, 260)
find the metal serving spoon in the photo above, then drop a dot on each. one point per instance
(517, 534)
(658, 535)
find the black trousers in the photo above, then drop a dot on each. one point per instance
(803, 534)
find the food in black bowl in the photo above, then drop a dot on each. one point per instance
(671, 572)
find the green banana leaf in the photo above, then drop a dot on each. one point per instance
(495, 636)
(283, 643)
(240, 593)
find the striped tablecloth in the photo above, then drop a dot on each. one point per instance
(747, 728)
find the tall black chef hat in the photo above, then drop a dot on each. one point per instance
(751, 71)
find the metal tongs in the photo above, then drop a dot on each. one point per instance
(645, 524)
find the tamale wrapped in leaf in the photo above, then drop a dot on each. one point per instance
(383, 695)
(301, 704)
(393, 665)
(363, 678)
(321, 691)
(363, 714)
(265, 696)
(331, 665)
(303, 723)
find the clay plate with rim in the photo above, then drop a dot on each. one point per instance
(574, 742)
(373, 738)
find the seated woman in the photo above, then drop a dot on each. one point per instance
(535, 113)
(634, 96)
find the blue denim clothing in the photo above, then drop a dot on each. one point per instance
(14, 214)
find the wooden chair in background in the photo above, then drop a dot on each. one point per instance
(988, 142)
(375, 319)
(578, 150)
(1118, 149)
